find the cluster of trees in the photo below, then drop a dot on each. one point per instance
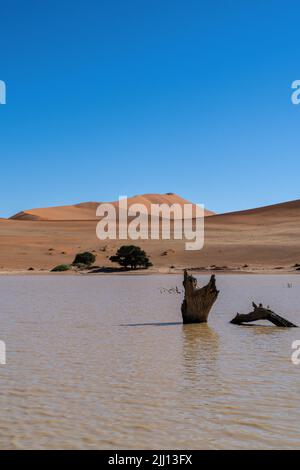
(81, 260)
(127, 256)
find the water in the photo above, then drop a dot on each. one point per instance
(104, 362)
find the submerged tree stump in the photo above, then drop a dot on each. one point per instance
(197, 302)
(261, 313)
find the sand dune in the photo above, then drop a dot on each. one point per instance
(285, 211)
(259, 240)
(87, 211)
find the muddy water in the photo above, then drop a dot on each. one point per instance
(104, 362)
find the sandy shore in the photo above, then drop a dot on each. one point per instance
(148, 273)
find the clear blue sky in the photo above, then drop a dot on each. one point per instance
(129, 97)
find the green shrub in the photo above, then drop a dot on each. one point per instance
(86, 258)
(61, 268)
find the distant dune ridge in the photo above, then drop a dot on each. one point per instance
(87, 210)
(278, 212)
(265, 239)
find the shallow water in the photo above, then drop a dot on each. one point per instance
(104, 362)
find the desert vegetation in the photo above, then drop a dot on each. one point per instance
(86, 259)
(60, 268)
(131, 257)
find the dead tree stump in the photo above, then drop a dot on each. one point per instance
(197, 302)
(261, 313)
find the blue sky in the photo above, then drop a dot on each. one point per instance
(135, 96)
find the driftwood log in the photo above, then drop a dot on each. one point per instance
(261, 313)
(197, 302)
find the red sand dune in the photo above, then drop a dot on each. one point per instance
(277, 213)
(87, 210)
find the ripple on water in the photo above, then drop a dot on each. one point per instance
(104, 362)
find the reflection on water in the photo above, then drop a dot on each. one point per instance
(199, 354)
(105, 362)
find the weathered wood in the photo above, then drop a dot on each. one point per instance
(197, 302)
(261, 313)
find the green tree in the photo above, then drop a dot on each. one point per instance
(130, 256)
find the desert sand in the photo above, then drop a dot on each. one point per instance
(259, 240)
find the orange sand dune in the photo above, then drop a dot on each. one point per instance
(257, 240)
(285, 211)
(87, 211)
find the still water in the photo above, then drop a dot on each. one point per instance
(104, 362)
